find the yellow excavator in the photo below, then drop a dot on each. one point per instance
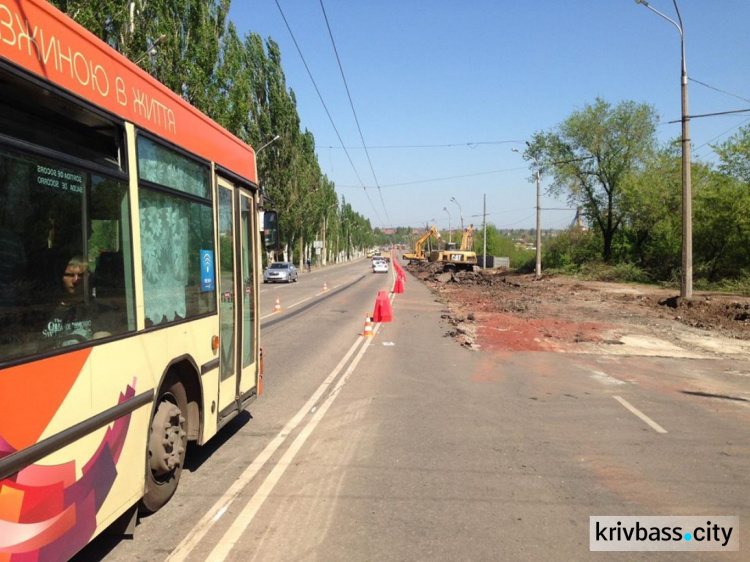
(464, 257)
(418, 254)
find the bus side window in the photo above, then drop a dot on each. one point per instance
(110, 255)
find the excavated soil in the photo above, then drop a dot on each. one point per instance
(498, 310)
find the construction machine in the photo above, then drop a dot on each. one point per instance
(418, 254)
(464, 257)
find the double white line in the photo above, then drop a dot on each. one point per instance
(243, 520)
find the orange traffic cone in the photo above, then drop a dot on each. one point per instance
(325, 287)
(368, 327)
(277, 306)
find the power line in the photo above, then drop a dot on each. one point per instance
(471, 145)
(448, 178)
(708, 142)
(328, 113)
(718, 90)
(730, 112)
(354, 112)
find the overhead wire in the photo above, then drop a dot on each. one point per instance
(709, 86)
(320, 96)
(354, 111)
(448, 177)
(718, 90)
(453, 145)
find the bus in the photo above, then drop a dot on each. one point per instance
(131, 237)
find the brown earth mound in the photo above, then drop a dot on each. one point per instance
(495, 309)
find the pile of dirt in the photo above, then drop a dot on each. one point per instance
(556, 311)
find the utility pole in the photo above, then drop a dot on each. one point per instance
(686, 279)
(484, 230)
(538, 270)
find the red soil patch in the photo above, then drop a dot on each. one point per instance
(497, 310)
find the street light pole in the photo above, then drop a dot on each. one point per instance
(538, 268)
(460, 212)
(151, 51)
(450, 233)
(275, 138)
(686, 279)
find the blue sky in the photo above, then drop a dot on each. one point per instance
(443, 90)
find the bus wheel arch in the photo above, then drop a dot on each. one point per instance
(174, 421)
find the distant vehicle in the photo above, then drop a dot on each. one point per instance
(462, 258)
(418, 254)
(280, 271)
(379, 266)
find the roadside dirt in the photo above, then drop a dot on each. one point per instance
(497, 310)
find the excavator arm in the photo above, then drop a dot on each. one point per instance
(467, 239)
(418, 253)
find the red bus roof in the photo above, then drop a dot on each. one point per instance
(40, 38)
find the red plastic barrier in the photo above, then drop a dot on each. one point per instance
(398, 287)
(383, 311)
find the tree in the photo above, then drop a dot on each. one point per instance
(651, 206)
(735, 155)
(591, 153)
(239, 83)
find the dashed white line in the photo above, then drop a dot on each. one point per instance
(637, 412)
(604, 378)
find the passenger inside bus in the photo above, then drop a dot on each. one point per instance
(74, 320)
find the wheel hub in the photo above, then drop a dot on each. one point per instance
(167, 438)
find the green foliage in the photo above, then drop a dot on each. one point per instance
(501, 245)
(570, 250)
(721, 228)
(739, 285)
(589, 156)
(735, 156)
(618, 273)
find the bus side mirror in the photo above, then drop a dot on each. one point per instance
(271, 234)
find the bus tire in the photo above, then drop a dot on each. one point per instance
(167, 443)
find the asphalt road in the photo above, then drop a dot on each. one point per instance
(405, 446)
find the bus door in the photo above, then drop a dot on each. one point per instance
(237, 297)
(248, 248)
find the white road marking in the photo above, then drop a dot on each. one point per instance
(604, 378)
(194, 536)
(300, 302)
(288, 306)
(246, 516)
(637, 412)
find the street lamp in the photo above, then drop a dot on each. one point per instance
(450, 234)
(686, 280)
(538, 269)
(255, 156)
(151, 51)
(460, 212)
(275, 138)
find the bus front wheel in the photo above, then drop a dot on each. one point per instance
(167, 444)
